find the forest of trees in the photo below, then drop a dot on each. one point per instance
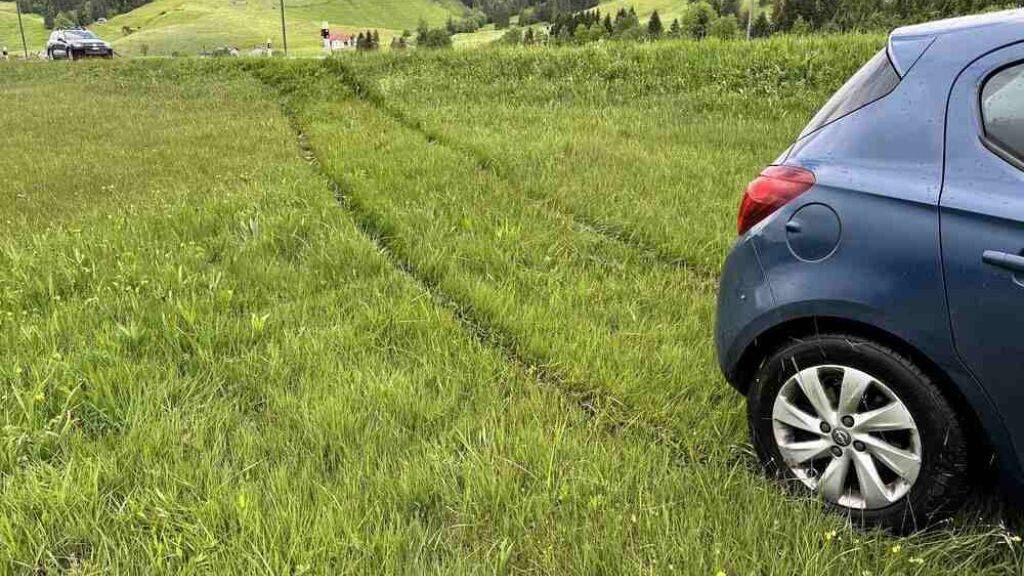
(699, 20)
(570, 19)
(67, 13)
(729, 19)
(500, 12)
(846, 15)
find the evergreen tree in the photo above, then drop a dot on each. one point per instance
(800, 27)
(514, 36)
(697, 18)
(608, 24)
(725, 27)
(501, 19)
(761, 27)
(729, 7)
(654, 26)
(422, 31)
(675, 30)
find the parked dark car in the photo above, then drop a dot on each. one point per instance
(872, 308)
(74, 44)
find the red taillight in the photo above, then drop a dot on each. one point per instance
(770, 191)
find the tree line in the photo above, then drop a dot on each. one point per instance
(864, 15)
(500, 12)
(71, 13)
(699, 20)
(729, 19)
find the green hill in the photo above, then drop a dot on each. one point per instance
(35, 34)
(667, 9)
(188, 26)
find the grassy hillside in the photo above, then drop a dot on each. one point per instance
(187, 26)
(420, 313)
(35, 34)
(635, 139)
(667, 9)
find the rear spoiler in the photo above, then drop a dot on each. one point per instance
(905, 51)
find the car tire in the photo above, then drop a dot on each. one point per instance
(928, 477)
(49, 54)
(70, 55)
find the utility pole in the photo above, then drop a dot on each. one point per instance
(24, 45)
(750, 18)
(284, 30)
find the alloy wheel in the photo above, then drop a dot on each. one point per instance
(847, 436)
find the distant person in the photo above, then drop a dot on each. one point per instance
(5, 55)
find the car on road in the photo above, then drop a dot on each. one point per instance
(872, 307)
(73, 44)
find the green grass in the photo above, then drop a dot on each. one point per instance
(405, 356)
(667, 9)
(10, 36)
(652, 143)
(188, 26)
(480, 38)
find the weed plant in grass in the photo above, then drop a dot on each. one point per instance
(652, 142)
(627, 331)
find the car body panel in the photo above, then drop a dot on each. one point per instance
(982, 208)
(881, 170)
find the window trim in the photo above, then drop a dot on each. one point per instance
(899, 80)
(993, 144)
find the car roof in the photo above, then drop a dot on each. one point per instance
(973, 35)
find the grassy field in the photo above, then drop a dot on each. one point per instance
(667, 9)
(188, 26)
(35, 34)
(299, 317)
(652, 144)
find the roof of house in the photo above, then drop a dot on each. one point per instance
(339, 37)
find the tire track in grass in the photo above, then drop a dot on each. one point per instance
(609, 413)
(484, 161)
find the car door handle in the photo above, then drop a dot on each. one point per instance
(1011, 262)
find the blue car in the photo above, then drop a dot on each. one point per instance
(872, 307)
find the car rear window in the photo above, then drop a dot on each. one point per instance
(874, 80)
(1002, 111)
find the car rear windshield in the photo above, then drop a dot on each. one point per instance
(874, 80)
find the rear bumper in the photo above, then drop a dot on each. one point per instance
(744, 295)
